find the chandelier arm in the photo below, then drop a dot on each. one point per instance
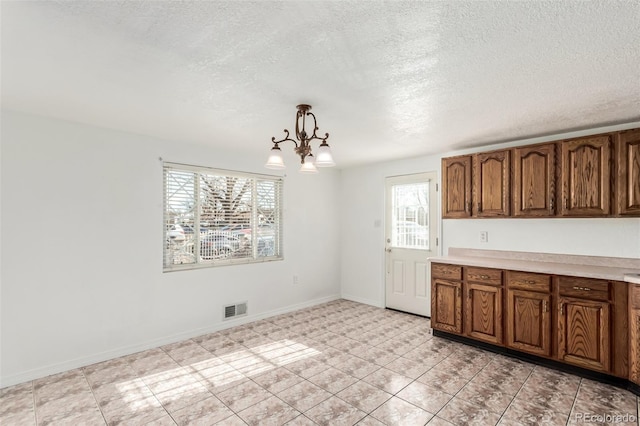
(315, 128)
(285, 139)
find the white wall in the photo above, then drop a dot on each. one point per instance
(362, 201)
(81, 270)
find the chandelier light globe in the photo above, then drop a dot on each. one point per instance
(275, 161)
(324, 157)
(302, 144)
(308, 167)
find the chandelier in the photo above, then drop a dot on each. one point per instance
(303, 147)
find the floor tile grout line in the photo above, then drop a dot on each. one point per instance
(94, 396)
(516, 395)
(575, 399)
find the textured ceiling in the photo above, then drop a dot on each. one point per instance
(386, 79)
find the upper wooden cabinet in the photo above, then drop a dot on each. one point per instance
(456, 187)
(492, 183)
(628, 176)
(534, 180)
(586, 176)
(592, 176)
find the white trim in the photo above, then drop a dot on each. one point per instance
(213, 170)
(48, 370)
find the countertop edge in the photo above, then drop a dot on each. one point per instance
(585, 271)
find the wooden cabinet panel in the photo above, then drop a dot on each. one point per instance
(446, 305)
(534, 180)
(529, 322)
(483, 275)
(456, 187)
(450, 272)
(584, 288)
(492, 183)
(628, 182)
(585, 175)
(484, 313)
(529, 281)
(584, 333)
(634, 349)
(634, 333)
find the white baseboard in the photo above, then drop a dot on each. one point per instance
(56, 368)
(376, 303)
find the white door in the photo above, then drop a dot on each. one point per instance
(410, 236)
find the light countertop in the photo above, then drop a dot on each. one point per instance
(606, 268)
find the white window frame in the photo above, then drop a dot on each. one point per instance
(198, 261)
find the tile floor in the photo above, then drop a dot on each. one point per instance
(339, 363)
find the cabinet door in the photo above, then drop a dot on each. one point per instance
(456, 187)
(484, 313)
(446, 306)
(492, 178)
(534, 180)
(634, 333)
(634, 348)
(586, 179)
(583, 333)
(628, 182)
(529, 322)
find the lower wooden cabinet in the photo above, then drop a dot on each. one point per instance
(529, 322)
(634, 324)
(584, 335)
(446, 302)
(585, 322)
(484, 313)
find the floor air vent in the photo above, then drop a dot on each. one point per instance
(237, 310)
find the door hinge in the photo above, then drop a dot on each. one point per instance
(436, 187)
(437, 243)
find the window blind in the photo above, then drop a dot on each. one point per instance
(217, 217)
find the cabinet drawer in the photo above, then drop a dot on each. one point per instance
(452, 272)
(484, 275)
(584, 288)
(529, 281)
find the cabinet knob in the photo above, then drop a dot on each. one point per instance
(551, 205)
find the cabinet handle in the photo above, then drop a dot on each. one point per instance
(551, 205)
(582, 288)
(545, 306)
(529, 282)
(458, 291)
(484, 277)
(561, 308)
(566, 203)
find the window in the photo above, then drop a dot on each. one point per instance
(410, 227)
(218, 217)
